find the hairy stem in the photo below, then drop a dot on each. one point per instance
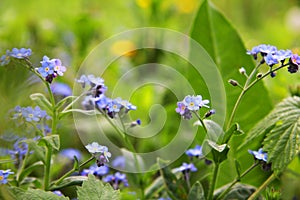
(262, 187)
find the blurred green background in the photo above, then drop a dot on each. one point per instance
(70, 29)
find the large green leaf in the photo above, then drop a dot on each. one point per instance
(94, 189)
(223, 44)
(21, 194)
(280, 133)
(196, 192)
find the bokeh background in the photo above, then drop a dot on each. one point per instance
(70, 29)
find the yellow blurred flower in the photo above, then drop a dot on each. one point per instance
(186, 6)
(143, 3)
(123, 48)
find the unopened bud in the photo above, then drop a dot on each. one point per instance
(242, 70)
(233, 82)
(209, 113)
(259, 75)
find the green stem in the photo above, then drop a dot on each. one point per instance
(74, 169)
(22, 168)
(47, 167)
(262, 187)
(237, 103)
(201, 121)
(213, 182)
(236, 180)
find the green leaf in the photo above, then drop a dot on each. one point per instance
(215, 146)
(234, 130)
(39, 151)
(41, 101)
(222, 42)
(174, 187)
(196, 192)
(280, 133)
(53, 141)
(21, 194)
(69, 181)
(237, 168)
(29, 169)
(94, 189)
(63, 101)
(215, 132)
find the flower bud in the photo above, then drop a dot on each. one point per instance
(259, 75)
(233, 82)
(242, 70)
(209, 113)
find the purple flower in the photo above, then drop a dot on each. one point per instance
(294, 63)
(197, 152)
(70, 153)
(20, 53)
(185, 168)
(58, 68)
(259, 155)
(4, 175)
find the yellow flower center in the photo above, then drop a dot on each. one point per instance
(56, 68)
(46, 69)
(1, 178)
(30, 115)
(19, 54)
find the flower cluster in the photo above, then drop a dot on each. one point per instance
(190, 104)
(51, 68)
(116, 179)
(97, 99)
(272, 56)
(100, 152)
(4, 175)
(15, 53)
(19, 150)
(96, 171)
(30, 114)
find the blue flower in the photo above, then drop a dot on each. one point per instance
(51, 68)
(70, 153)
(20, 53)
(116, 179)
(114, 106)
(185, 168)
(197, 151)
(5, 59)
(35, 114)
(94, 81)
(83, 80)
(271, 59)
(194, 103)
(57, 192)
(96, 84)
(209, 113)
(267, 49)
(4, 175)
(135, 123)
(19, 150)
(47, 68)
(119, 162)
(259, 155)
(100, 152)
(281, 55)
(102, 102)
(95, 148)
(97, 171)
(61, 89)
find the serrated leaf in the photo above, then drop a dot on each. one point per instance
(53, 141)
(222, 42)
(94, 189)
(21, 194)
(41, 101)
(196, 192)
(280, 133)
